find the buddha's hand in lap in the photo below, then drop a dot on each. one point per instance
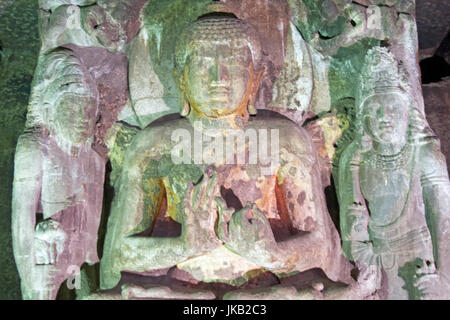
(247, 232)
(201, 214)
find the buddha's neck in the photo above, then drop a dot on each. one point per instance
(217, 124)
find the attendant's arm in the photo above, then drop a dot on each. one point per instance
(26, 196)
(436, 193)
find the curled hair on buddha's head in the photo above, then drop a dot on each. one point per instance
(220, 28)
(58, 74)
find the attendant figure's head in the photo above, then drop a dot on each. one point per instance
(218, 62)
(386, 117)
(385, 108)
(65, 98)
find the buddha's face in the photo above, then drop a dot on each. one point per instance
(75, 118)
(217, 77)
(386, 118)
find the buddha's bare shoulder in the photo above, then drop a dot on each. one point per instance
(289, 132)
(161, 130)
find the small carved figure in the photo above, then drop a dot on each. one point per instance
(394, 189)
(58, 180)
(80, 23)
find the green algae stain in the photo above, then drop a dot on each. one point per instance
(19, 48)
(408, 272)
(345, 69)
(165, 20)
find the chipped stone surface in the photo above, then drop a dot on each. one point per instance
(437, 104)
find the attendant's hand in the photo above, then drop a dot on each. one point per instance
(434, 286)
(362, 252)
(49, 240)
(358, 219)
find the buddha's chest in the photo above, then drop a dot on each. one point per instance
(247, 184)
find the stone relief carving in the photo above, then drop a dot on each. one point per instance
(394, 188)
(58, 182)
(220, 56)
(172, 93)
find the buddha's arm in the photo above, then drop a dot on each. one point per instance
(131, 212)
(198, 232)
(319, 243)
(436, 193)
(26, 194)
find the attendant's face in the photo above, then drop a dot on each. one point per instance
(76, 117)
(386, 118)
(217, 77)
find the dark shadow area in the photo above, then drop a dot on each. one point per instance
(436, 68)
(333, 204)
(164, 226)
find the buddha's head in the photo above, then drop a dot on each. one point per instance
(218, 67)
(386, 117)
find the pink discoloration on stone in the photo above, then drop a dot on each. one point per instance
(110, 73)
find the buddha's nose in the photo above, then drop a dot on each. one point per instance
(220, 74)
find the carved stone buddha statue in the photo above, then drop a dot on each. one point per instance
(239, 215)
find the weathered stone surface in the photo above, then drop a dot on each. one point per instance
(19, 42)
(393, 189)
(433, 18)
(437, 105)
(284, 72)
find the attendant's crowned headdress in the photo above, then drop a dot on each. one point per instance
(381, 74)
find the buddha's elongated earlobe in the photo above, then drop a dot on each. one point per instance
(251, 108)
(186, 109)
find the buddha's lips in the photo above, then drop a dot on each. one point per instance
(219, 93)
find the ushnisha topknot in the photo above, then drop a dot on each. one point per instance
(217, 29)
